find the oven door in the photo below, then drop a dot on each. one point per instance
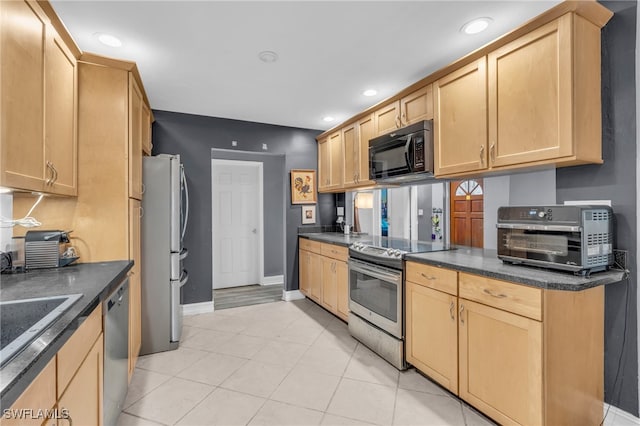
(553, 246)
(375, 294)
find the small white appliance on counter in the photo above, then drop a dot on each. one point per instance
(165, 204)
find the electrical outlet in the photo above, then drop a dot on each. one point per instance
(620, 258)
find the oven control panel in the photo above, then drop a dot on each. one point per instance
(377, 251)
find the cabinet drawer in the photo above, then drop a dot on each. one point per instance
(515, 298)
(72, 354)
(433, 277)
(313, 246)
(335, 252)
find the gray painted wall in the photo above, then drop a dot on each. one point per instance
(615, 180)
(274, 174)
(193, 136)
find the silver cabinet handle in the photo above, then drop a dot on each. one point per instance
(482, 155)
(141, 211)
(49, 179)
(451, 306)
(144, 188)
(497, 295)
(55, 173)
(492, 152)
(430, 278)
(398, 122)
(461, 311)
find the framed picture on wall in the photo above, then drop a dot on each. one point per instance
(308, 215)
(303, 186)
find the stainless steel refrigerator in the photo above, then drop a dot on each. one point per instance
(165, 204)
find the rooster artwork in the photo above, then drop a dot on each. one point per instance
(303, 186)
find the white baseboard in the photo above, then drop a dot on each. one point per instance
(197, 308)
(619, 417)
(288, 296)
(272, 280)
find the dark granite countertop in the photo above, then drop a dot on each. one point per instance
(94, 281)
(486, 263)
(337, 238)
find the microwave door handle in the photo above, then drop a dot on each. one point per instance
(407, 146)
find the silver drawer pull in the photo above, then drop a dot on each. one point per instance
(429, 277)
(498, 295)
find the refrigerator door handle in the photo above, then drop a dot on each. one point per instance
(186, 202)
(184, 277)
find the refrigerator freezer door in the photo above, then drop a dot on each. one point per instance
(176, 307)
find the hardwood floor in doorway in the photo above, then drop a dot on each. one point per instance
(233, 297)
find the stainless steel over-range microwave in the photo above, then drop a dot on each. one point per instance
(404, 155)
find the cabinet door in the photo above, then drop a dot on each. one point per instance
(387, 118)
(342, 277)
(432, 334)
(530, 96)
(460, 120)
(303, 267)
(135, 139)
(337, 160)
(39, 395)
(324, 165)
(351, 160)
(23, 28)
(315, 277)
(83, 396)
(329, 284)
(366, 132)
(135, 279)
(501, 363)
(146, 129)
(61, 146)
(417, 106)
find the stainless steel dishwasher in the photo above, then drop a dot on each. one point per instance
(115, 311)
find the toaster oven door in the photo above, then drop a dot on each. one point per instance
(559, 247)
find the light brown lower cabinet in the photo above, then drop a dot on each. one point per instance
(501, 363)
(432, 334)
(73, 378)
(323, 275)
(523, 355)
(83, 397)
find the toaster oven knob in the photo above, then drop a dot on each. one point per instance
(541, 214)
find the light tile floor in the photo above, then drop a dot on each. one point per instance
(282, 363)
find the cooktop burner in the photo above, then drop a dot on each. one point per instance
(390, 251)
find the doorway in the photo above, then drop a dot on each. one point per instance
(237, 223)
(467, 212)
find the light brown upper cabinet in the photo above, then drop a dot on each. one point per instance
(39, 103)
(543, 87)
(460, 120)
(351, 154)
(135, 139)
(146, 129)
(417, 106)
(387, 118)
(330, 162)
(543, 96)
(366, 132)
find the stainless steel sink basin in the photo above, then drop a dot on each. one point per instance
(21, 321)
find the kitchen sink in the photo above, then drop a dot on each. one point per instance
(22, 321)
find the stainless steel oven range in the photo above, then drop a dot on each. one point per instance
(376, 294)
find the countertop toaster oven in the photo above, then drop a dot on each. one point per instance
(572, 238)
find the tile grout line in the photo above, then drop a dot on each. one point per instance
(197, 404)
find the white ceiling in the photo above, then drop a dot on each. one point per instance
(201, 57)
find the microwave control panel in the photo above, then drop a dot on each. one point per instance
(418, 153)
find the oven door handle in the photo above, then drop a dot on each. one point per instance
(374, 272)
(560, 228)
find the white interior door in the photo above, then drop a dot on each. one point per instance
(237, 213)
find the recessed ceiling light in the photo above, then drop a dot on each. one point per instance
(328, 118)
(267, 56)
(476, 26)
(370, 92)
(108, 39)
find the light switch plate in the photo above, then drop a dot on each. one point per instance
(340, 211)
